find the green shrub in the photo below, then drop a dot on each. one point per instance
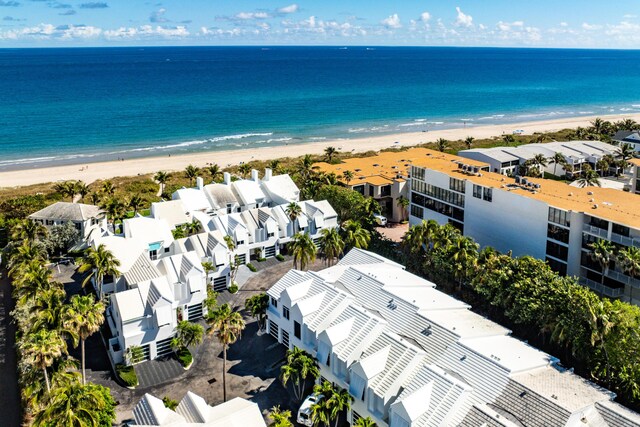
(185, 357)
(127, 375)
(279, 257)
(251, 267)
(233, 288)
(261, 259)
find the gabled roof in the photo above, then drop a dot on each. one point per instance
(627, 136)
(281, 187)
(247, 191)
(142, 269)
(65, 211)
(194, 199)
(150, 411)
(172, 211)
(219, 195)
(130, 304)
(148, 230)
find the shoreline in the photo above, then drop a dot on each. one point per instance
(144, 165)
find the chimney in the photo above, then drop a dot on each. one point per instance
(227, 178)
(199, 182)
(267, 174)
(254, 175)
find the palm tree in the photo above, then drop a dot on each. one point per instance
(305, 166)
(108, 188)
(557, 159)
(355, 236)
(330, 152)
(442, 144)
(41, 348)
(602, 252)
(542, 137)
(193, 227)
(403, 203)
(589, 178)
(330, 404)
(629, 259)
(331, 244)
(464, 257)
(21, 256)
(508, 139)
(94, 198)
(231, 245)
(626, 124)
(468, 142)
(161, 178)
(215, 171)
(598, 125)
(540, 160)
(274, 165)
(347, 176)
(293, 210)
(65, 189)
(135, 203)
(281, 418)
(365, 422)
(84, 316)
(49, 311)
(77, 405)
(257, 306)
(82, 189)
(115, 210)
(244, 169)
(191, 172)
(101, 262)
(300, 366)
(227, 325)
(303, 250)
(28, 229)
(32, 279)
(189, 334)
(626, 152)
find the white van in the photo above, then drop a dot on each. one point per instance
(380, 220)
(304, 413)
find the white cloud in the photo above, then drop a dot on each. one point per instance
(564, 24)
(630, 16)
(252, 15)
(158, 15)
(425, 16)
(393, 21)
(590, 27)
(292, 8)
(507, 26)
(462, 19)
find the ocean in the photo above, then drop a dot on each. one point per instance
(92, 104)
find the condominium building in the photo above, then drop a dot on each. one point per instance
(628, 137)
(576, 154)
(635, 176)
(411, 356)
(383, 177)
(543, 218)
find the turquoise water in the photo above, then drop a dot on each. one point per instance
(83, 105)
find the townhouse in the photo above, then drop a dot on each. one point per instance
(547, 219)
(576, 154)
(410, 355)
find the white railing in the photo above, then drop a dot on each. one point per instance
(596, 230)
(616, 238)
(604, 290)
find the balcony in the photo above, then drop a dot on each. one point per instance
(615, 238)
(604, 290)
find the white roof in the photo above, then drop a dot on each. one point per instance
(148, 230)
(247, 191)
(124, 250)
(129, 303)
(172, 211)
(281, 187)
(220, 195)
(509, 353)
(193, 411)
(194, 199)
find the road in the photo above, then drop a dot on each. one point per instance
(9, 393)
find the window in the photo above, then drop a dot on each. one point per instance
(599, 223)
(371, 190)
(385, 191)
(274, 302)
(285, 312)
(417, 211)
(359, 189)
(166, 250)
(488, 194)
(296, 329)
(436, 206)
(557, 266)
(557, 233)
(620, 229)
(153, 255)
(229, 208)
(417, 173)
(78, 226)
(438, 193)
(557, 251)
(456, 185)
(477, 191)
(49, 222)
(558, 216)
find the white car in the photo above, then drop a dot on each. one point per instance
(380, 220)
(304, 413)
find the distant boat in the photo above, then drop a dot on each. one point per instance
(342, 48)
(371, 48)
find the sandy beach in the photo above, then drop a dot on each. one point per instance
(140, 166)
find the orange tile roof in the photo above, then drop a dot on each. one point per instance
(382, 169)
(635, 162)
(613, 205)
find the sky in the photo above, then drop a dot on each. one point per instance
(504, 23)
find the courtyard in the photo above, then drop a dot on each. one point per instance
(253, 362)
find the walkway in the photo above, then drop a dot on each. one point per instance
(159, 371)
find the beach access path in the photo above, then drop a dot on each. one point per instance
(146, 165)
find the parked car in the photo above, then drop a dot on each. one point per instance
(380, 220)
(304, 413)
